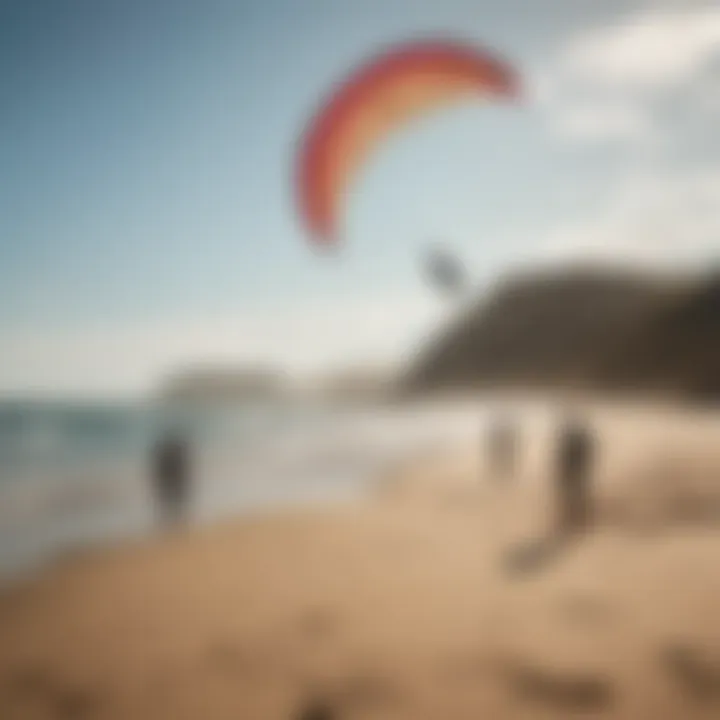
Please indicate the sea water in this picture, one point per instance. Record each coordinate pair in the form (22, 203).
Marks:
(73, 474)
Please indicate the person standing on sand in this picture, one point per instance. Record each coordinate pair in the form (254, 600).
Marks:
(502, 447)
(171, 477)
(574, 474)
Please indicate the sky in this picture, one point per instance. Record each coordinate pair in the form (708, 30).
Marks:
(147, 217)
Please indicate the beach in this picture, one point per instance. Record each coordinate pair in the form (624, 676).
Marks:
(402, 603)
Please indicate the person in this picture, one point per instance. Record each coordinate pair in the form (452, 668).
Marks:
(502, 443)
(574, 473)
(171, 476)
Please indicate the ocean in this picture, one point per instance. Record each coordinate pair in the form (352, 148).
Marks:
(75, 474)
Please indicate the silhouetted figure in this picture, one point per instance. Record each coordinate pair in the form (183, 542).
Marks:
(502, 447)
(574, 475)
(171, 477)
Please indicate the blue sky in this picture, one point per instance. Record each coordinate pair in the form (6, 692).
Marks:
(146, 150)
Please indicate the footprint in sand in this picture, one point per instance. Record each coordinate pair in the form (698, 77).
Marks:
(316, 709)
(585, 609)
(318, 623)
(366, 692)
(64, 700)
(228, 655)
(561, 691)
(30, 681)
(534, 556)
(466, 666)
(75, 703)
(697, 674)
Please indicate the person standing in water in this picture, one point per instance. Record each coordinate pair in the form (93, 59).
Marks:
(171, 477)
(574, 475)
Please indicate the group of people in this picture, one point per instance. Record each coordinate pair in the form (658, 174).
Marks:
(573, 465)
(574, 459)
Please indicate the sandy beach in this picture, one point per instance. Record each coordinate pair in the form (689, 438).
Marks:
(405, 605)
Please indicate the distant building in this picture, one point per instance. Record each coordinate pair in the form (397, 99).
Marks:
(224, 385)
(360, 385)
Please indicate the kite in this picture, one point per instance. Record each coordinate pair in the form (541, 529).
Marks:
(445, 271)
(391, 90)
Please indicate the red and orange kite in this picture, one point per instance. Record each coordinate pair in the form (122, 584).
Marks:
(387, 92)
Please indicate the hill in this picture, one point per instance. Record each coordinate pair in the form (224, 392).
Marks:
(586, 328)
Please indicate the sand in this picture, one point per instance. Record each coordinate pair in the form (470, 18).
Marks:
(408, 605)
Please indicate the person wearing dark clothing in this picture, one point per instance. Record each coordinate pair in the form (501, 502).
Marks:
(502, 447)
(171, 476)
(574, 474)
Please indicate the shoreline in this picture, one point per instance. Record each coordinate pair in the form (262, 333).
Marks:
(401, 605)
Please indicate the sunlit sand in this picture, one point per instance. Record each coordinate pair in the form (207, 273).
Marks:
(405, 605)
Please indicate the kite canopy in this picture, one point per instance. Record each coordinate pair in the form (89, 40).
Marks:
(384, 94)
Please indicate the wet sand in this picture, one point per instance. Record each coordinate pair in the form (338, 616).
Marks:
(409, 605)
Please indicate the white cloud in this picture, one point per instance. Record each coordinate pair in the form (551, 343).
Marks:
(605, 83)
(603, 121)
(650, 218)
(651, 50)
(132, 357)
